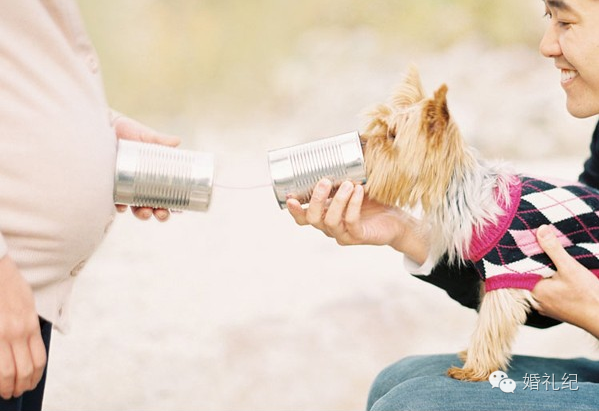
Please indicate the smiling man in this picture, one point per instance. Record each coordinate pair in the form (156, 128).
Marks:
(572, 41)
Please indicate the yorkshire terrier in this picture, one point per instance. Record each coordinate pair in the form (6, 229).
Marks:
(479, 211)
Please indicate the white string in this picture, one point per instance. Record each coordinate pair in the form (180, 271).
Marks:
(231, 187)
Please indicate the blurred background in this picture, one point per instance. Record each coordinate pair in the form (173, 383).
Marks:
(239, 308)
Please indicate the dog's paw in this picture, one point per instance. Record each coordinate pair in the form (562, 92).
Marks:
(468, 374)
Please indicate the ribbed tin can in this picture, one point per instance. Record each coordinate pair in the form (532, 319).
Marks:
(152, 175)
(296, 170)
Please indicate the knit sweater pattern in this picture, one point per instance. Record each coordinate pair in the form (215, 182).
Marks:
(507, 254)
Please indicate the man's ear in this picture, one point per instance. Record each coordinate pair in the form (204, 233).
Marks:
(435, 115)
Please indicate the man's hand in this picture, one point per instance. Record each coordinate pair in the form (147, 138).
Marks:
(22, 352)
(128, 129)
(351, 218)
(572, 294)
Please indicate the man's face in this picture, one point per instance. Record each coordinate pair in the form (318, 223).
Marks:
(572, 40)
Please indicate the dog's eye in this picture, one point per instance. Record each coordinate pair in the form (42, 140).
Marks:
(391, 134)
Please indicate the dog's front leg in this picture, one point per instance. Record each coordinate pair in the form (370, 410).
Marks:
(501, 313)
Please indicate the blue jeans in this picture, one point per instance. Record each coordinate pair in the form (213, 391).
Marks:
(420, 383)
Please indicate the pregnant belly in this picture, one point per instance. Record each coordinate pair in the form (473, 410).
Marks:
(57, 195)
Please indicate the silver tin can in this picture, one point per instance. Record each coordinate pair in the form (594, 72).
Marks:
(296, 170)
(152, 175)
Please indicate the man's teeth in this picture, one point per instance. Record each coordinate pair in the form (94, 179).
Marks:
(569, 74)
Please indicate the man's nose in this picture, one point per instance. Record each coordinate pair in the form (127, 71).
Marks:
(549, 46)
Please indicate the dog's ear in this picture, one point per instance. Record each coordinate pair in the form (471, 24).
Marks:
(380, 121)
(435, 115)
(410, 90)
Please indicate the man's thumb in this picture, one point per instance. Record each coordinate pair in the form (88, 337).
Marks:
(563, 261)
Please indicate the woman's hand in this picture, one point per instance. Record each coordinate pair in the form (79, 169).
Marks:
(129, 129)
(22, 351)
(572, 294)
(352, 218)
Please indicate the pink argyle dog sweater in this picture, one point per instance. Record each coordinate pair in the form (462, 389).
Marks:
(507, 255)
